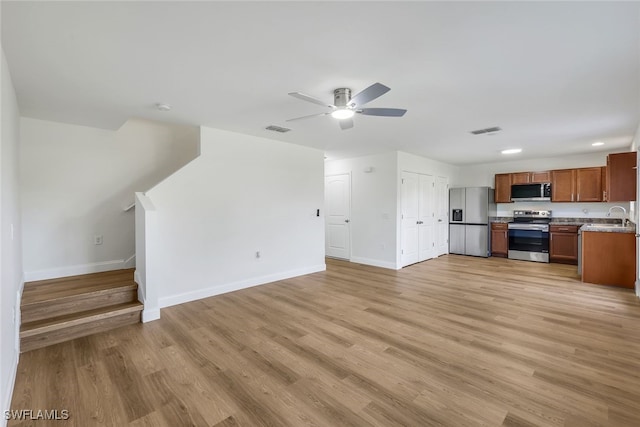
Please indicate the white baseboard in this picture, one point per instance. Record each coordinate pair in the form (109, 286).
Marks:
(138, 279)
(74, 270)
(18, 314)
(130, 262)
(242, 284)
(148, 313)
(8, 388)
(151, 314)
(375, 263)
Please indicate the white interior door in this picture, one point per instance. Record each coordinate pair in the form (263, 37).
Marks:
(442, 218)
(337, 192)
(409, 196)
(426, 218)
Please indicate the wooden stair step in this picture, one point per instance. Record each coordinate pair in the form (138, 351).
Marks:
(42, 333)
(86, 300)
(45, 290)
(67, 295)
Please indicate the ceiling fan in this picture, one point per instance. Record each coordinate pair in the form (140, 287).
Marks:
(344, 107)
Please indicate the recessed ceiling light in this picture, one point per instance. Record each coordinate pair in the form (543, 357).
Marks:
(596, 144)
(511, 151)
(342, 113)
(163, 107)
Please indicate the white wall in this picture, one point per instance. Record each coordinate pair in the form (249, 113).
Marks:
(635, 146)
(242, 195)
(75, 182)
(412, 163)
(146, 247)
(481, 175)
(10, 237)
(375, 202)
(373, 207)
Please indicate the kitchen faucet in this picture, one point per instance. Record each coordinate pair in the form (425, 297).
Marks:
(624, 214)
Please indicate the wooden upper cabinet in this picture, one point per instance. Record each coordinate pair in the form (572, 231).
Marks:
(589, 184)
(530, 177)
(540, 177)
(520, 178)
(503, 188)
(577, 185)
(621, 177)
(563, 185)
(604, 184)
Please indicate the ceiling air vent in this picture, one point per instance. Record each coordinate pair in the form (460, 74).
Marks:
(490, 130)
(275, 128)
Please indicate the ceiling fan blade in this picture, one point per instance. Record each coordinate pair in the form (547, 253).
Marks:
(311, 99)
(385, 112)
(346, 124)
(368, 94)
(307, 117)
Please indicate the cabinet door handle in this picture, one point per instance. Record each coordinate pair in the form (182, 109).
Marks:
(572, 197)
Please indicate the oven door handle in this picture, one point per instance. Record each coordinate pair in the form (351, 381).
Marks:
(544, 228)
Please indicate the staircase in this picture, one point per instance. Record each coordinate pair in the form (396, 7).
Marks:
(62, 309)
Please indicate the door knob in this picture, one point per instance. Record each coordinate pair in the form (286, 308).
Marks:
(346, 220)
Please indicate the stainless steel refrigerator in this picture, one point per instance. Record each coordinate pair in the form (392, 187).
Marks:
(469, 209)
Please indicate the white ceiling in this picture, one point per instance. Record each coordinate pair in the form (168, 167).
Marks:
(555, 76)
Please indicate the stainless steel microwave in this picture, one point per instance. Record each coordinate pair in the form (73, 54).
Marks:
(531, 192)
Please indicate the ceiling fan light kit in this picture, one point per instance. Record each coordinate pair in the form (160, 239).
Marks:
(344, 107)
(342, 113)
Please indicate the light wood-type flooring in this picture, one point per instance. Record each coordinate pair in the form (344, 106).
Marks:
(454, 341)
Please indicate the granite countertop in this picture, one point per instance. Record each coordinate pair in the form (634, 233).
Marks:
(503, 219)
(606, 225)
(609, 228)
(582, 221)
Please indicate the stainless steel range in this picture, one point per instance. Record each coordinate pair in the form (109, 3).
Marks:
(529, 236)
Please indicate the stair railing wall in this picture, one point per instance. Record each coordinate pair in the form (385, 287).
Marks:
(146, 236)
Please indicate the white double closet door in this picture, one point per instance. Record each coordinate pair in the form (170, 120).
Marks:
(418, 218)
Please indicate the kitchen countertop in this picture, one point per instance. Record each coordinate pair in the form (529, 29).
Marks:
(600, 223)
(609, 228)
(501, 219)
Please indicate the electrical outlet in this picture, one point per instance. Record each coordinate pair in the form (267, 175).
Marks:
(97, 239)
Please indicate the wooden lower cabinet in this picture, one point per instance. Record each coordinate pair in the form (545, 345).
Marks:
(563, 244)
(609, 258)
(499, 239)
